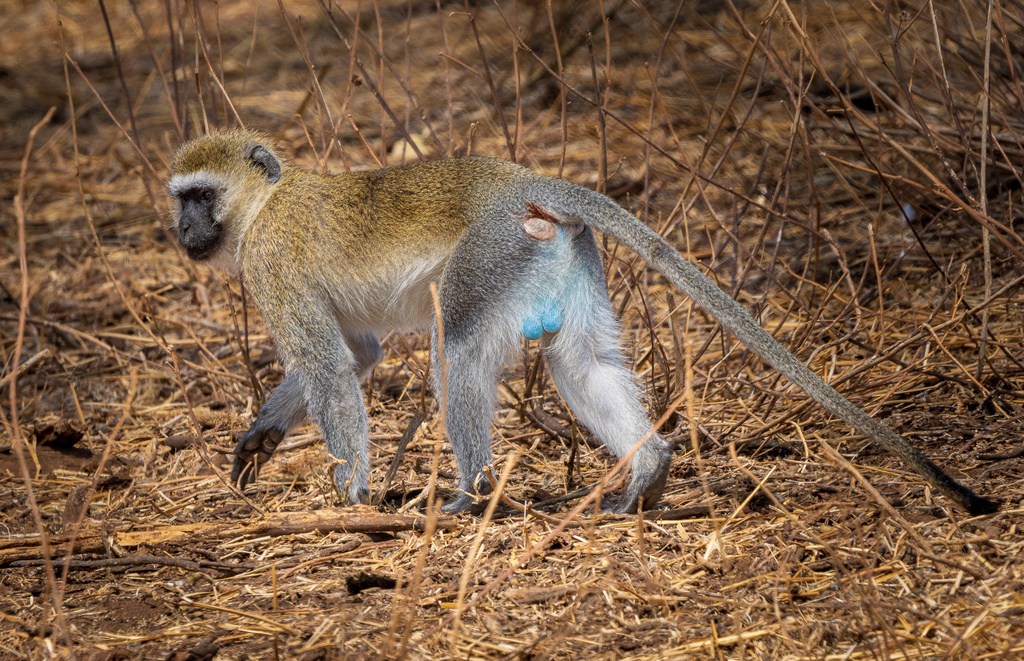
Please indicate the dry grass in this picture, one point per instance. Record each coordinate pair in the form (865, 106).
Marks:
(835, 166)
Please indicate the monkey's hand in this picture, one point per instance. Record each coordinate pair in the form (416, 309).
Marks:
(253, 451)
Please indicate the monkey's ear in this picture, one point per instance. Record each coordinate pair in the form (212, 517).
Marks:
(262, 158)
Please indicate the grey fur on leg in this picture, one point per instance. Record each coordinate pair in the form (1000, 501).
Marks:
(471, 394)
(480, 300)
(335, 400)
(587, 366)
(601, 393)
(367, 354)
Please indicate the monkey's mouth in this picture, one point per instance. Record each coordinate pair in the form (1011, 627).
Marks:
(199, 253)
(201, 243)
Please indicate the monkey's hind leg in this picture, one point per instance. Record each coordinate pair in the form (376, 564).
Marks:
(587, 366)
(473, 361)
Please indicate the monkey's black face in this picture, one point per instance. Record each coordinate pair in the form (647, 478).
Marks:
(199, 233)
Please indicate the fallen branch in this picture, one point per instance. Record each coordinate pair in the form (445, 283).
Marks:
(126, 561)
(275, 525)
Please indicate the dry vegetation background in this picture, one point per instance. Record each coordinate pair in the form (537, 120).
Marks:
(850, 171)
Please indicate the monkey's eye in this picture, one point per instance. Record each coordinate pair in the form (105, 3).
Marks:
(203, 195)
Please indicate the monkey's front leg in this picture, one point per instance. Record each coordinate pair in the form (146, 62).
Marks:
(335, 400)
(283, 412)
(286, 410)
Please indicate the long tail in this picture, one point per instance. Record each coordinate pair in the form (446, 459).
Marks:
(604, 215)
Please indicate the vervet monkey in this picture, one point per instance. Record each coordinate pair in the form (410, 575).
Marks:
(333, 261)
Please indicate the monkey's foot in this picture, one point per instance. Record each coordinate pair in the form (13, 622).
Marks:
(648, 492)
(356, 497)
(620, 504)
(469, 503)
(623, 504)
